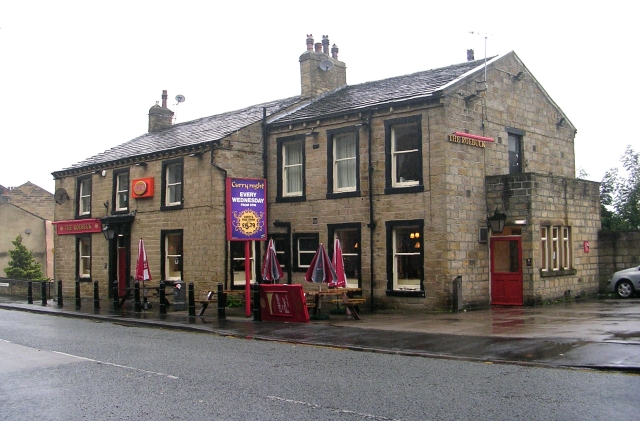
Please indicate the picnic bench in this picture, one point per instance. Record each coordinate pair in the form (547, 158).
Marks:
(340, 296)
(209, 297)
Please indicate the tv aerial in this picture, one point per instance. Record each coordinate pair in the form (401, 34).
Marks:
(180, 98)
(325, 65)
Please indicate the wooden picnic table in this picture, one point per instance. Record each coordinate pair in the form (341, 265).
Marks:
(343, 296)
(144, 290)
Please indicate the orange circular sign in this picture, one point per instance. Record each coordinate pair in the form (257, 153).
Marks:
(140, 188)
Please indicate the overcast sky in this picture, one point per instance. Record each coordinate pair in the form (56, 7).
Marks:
(78, 77)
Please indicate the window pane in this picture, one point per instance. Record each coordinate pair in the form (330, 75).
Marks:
(237, 262)
(407, 162)
(84, 269)
(292, 171)
(515, 154)
(173, 259)
(122, 190)
(174, 184)
(407, 258)
(350, 252)
(544, 248)
(307, 247)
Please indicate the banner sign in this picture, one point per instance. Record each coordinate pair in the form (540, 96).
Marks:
(78, 226)
(246, 209)
(283, 303)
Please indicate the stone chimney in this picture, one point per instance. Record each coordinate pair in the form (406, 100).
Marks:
(160, 117)
(470, 55)
(319, 72)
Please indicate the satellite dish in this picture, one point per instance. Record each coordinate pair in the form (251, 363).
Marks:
(326, 65)
(60, 196)
(180, 98)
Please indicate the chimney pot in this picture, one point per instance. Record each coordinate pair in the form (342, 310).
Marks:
(334, 52)
(325, 44)
(470, 55)
(318, 47)
(310, 42)
(164, 98)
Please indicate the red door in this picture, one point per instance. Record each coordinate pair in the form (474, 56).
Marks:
(122, 270)
(506, 271)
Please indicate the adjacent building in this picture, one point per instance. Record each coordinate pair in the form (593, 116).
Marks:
(405, 172)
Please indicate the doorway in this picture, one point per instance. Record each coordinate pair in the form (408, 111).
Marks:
(506, 271)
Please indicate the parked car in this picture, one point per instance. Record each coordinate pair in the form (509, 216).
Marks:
(625, 282)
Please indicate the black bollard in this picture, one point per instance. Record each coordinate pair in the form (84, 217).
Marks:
(30, 292)
(192, 301)
(43, 292)
(256, 303)
(96, 296)
(116, 304)
(222, 302)
(136, 297)
(163, 300)
(78, 301)
(60, 293)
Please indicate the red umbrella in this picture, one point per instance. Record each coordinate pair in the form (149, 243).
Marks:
(142, 265)
(321, 270)
(271, 270)
(338, 264)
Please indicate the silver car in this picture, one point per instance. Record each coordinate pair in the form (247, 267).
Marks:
(625, 282)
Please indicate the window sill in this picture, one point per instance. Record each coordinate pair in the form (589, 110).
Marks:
(340, 195)
(83, 279)
(290, 199)
(86, 216)
(405, 293)
(552, 273)
(402, 190)
(170, 208)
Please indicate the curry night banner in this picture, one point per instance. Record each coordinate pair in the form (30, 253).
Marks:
(246, 209)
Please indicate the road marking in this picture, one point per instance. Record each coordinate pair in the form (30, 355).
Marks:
(117, 365)
(336, 410)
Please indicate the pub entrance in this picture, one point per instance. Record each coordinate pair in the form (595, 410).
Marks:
(119, 251)
(506, 270)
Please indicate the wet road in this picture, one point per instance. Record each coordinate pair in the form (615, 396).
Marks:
(57, 368)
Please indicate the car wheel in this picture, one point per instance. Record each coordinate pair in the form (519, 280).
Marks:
(624, 289)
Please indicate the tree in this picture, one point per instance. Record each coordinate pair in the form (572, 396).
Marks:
(620, 194)
(22, 264)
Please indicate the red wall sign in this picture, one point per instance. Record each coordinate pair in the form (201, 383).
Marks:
(283, 303)
(141, 188)
(78, 226)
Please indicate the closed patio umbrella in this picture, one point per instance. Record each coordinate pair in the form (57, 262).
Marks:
(338, 264)
(142, 264)
(271, 270)
(321, 270)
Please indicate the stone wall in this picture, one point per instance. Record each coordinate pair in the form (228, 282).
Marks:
(617, 251)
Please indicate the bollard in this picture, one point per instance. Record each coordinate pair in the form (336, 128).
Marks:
(256, 303)
(114, 287)
(457, 293)
(78, 301)
(222, 302)
(136, 297)
(60, 293)
(30, 292)
(43, 292)
(192, 301)
(96, 296)
(163, 300)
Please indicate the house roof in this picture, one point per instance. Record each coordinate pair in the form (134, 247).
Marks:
(185, 135)
(31, 198)
(353, 98)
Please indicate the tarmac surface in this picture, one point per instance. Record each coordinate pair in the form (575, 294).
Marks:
(598, 333)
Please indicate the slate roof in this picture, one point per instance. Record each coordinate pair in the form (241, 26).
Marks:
(185, 135)
(353, 98)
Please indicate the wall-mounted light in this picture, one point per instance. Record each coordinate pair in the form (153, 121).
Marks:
(196, 154)
(496, 221)
(108, 232)
(560, 122)
(140, 164)
(519, 76)
(520, 222)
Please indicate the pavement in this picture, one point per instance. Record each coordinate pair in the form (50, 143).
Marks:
(593, 333)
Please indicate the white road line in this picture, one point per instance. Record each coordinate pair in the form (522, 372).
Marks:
(117, 365)
(336, 410)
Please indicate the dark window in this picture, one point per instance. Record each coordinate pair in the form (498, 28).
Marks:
(172, 257)
(120, 196)
(283, 251)
(403, 150)
(343, 163)
(304, 248)
(351, 243)
(291, 169)
(83, 194)
(405, 258)
(172, 182)
(515, 154)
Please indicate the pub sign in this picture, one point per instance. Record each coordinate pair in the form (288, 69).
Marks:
(246, 209)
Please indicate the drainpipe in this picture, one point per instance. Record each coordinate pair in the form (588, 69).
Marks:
(265, 163)
(224, 194)
(372, 223)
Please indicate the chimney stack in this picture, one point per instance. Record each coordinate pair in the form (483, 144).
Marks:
(319, 72)
(160, 118)
(470, 55)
